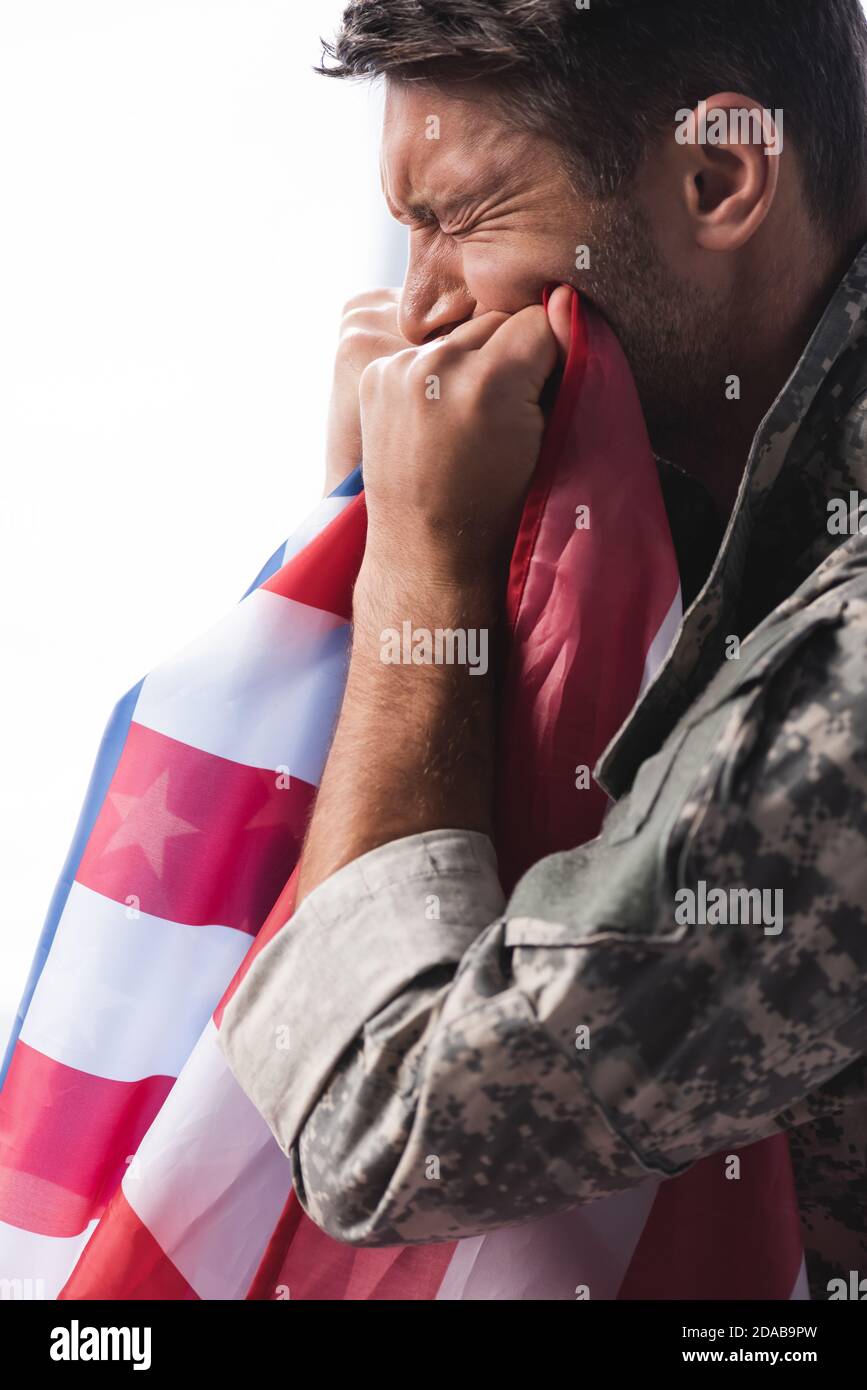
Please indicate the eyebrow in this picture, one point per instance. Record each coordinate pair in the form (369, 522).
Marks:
(426, 212)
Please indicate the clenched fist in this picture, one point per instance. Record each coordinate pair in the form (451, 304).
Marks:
(451, 433)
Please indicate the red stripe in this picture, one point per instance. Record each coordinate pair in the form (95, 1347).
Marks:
(313, 578)
(194, 837)
(304, 1264)
(123, 1261)
(65, 1137)
(713, 1237)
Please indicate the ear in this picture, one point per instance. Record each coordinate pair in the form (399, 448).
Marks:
(728, 153)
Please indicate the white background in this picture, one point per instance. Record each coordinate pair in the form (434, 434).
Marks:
(185, 208)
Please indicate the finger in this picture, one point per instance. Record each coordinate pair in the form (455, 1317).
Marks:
(524, 346)
(472, 335)
(368, 298)
(560, 319)
(382, 317)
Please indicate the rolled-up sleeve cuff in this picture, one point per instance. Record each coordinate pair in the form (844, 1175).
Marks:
(359, 939)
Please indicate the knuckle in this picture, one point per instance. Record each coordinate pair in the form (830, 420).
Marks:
(353, 321)
(440, 354)
(359, 345)
(488, 380)
(382, 371)
(357, 301)
(424, 365)
(368, 299)
(420, 363)
(370, 378)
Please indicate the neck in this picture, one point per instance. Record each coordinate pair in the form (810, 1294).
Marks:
(716, 440)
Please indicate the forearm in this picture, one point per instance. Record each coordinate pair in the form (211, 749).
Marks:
(413, 748)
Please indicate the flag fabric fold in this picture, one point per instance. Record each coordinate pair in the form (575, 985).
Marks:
(132, 1166)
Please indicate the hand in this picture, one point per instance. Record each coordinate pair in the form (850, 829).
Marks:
(451, 434)
(444, 480)
(368, 330)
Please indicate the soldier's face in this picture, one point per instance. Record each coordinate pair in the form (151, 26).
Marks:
(491, 214)
(494, 216)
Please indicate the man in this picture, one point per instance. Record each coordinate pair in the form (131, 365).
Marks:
(734, 272)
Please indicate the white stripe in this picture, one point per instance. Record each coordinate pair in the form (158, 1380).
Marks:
(548, 1260)
(209, 1180)
(261, 688)
(38, 1266)
(322, 516)
(661, 644)
(124, 999)
(801, 1292)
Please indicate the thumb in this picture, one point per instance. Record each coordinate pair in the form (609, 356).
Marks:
(560, 319)
(524, 348)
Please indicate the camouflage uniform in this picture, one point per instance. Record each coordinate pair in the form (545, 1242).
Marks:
(454, 1039)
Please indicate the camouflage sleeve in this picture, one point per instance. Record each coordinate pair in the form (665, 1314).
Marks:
(693, 980)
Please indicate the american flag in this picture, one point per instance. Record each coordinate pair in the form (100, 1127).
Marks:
(132, 1166)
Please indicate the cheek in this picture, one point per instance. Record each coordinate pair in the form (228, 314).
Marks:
(509, 277)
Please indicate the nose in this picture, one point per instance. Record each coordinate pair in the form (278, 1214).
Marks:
(434, 299)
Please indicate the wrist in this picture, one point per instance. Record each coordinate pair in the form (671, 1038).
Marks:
(427, 617)
(425, 558)
(419, 585)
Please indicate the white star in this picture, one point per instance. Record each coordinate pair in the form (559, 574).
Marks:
(147, 822)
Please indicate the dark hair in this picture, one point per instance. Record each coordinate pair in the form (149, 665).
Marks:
(604, 80)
